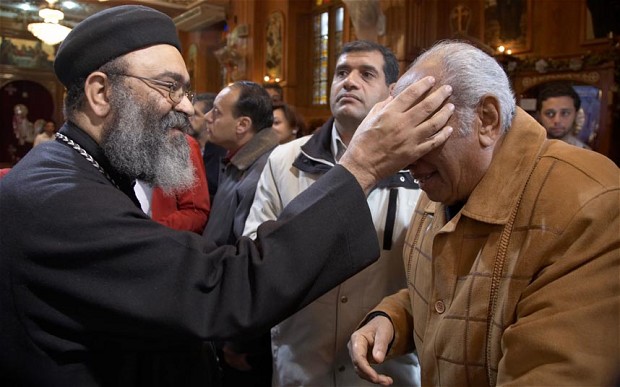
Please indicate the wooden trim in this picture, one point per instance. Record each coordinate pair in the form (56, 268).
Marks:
(586, 28)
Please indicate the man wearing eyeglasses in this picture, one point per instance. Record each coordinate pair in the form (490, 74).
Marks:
(557, 105)
(103, 295)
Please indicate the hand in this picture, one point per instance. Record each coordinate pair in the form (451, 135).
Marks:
(369, 344)
(398, 131)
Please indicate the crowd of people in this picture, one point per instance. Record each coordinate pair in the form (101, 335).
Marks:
(430, 232)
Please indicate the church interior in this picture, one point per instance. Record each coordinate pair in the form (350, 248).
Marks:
(294, 44)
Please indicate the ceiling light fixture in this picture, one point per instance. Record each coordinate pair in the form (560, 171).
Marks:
(50, 31)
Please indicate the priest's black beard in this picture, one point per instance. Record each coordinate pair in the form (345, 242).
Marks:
(138, 143)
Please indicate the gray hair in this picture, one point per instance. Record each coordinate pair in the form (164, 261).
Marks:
(472, 74)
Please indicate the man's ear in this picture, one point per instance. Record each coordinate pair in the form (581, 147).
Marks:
(490, 119)
(244, 124)
(97, 90)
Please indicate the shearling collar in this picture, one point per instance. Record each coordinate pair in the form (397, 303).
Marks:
(260, 143)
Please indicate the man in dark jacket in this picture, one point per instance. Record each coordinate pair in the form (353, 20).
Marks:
(240, 121)
(93, 292)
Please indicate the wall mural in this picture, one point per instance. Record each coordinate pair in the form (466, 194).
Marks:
(232, 57)
(275, 47)
(24, 53)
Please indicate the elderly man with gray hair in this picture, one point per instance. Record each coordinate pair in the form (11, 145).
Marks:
(512, 258)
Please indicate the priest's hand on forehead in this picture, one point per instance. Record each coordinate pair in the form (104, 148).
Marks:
(398, 131)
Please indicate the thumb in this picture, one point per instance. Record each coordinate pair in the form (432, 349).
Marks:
(380, 348)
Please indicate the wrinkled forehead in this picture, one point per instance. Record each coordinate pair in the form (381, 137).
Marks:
(361, 59)
(156, 60)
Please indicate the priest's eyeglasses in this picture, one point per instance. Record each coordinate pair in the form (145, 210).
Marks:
(176, 91)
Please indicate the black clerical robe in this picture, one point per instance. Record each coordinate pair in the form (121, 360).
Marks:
(93, 292)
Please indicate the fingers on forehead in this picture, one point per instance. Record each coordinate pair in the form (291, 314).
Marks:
(413, 93)
(411, 83)
(435, 99)
(429, 102)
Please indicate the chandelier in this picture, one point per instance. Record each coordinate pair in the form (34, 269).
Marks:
(50, 31)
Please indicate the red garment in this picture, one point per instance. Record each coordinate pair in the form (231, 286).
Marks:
(189, 210)
(4, 171)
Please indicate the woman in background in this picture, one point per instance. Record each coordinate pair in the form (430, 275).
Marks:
(287, 123)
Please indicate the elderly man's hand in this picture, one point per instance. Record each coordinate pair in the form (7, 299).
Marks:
(369, 344)
(398, 131)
